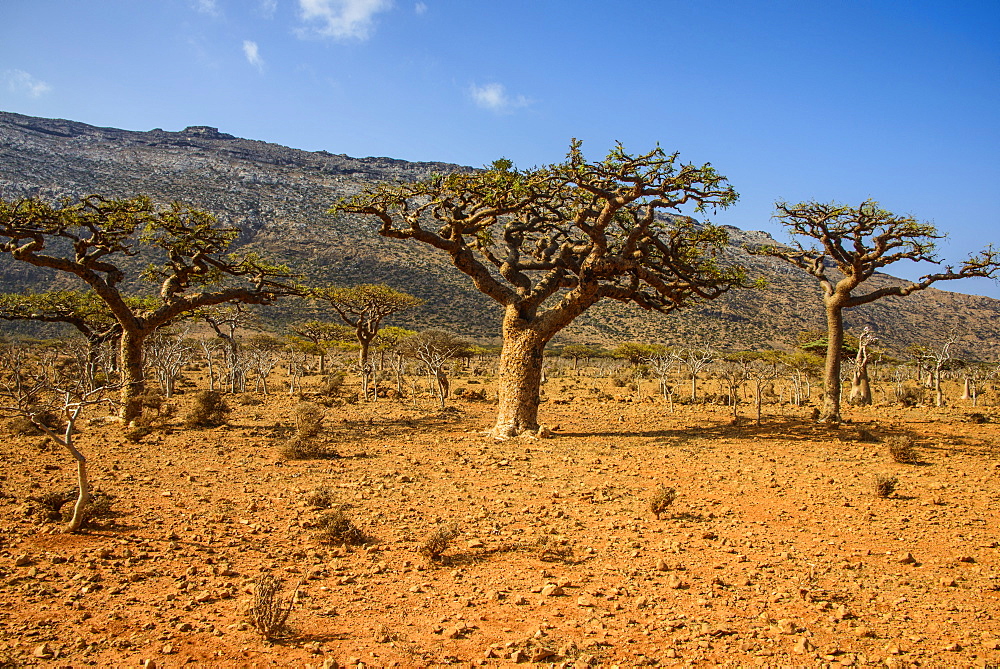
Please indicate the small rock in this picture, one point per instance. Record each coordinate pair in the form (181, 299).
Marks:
(864, 632)
(167, 649)
(948, 582)
(785, 626)
(952, 648)
(329, 663)
(966, 558)
(541, 654)
(675, 582)
(22, 560)
(585, 600)
(475, 543)
(518, 656)
(148, 664)
(43, 651)
(661, 565)
(803, 646)
(906, 558)
(552, 590)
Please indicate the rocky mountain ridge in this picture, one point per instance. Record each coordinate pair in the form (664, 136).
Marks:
(278, 196)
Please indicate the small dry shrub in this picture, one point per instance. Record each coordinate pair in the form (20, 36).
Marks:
(296, 449)
(336, 527)
(209, 410)
(437, 542)
(885, 486)
(909, 396)
(321, 498)
(308, 420)
(21, 426)
(549, 549)
(662, 498)
(248, 400)
(333, 383)
(269, 611)
(156, 413)
(58, 506)
(901, 449)
(99, 508)
(48, 505)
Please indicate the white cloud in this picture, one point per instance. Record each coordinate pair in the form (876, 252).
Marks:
(420, 8)
(207, 7)
(494, 96)
(267, 8)
(19, 81)
(252, 52)
(341, 19)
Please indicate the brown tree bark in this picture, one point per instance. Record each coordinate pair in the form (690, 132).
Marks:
(831, 372)
(132, 378)
(520, 376)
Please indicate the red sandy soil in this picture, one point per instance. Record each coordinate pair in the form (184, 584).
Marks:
(775, 552)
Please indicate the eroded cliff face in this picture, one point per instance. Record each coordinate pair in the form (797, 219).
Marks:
(278, 197)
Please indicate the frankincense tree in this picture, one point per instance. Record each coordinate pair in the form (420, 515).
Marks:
(188, 256)
(844, 248)
(548, 243)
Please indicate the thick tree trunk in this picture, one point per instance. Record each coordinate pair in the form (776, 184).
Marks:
(363, 366)
(519, 380)
(133, 382)
(861, 392)
(831, 374)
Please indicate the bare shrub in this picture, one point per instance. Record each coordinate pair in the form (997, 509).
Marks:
(549, 549)
(901, 449)
(662, 498)
(269, 611)
(909, 396)
(333, 383)
(48, 505)
(885, 486)
(297, 449)
(321, 498)
(156, 413)
(99, 508)
(336, 527)
(209, 410)
(437, 542)
(308, 420)
(52, 506)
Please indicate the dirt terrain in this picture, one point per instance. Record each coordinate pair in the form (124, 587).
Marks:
(775, 552)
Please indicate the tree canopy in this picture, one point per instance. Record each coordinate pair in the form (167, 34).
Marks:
(576, 232)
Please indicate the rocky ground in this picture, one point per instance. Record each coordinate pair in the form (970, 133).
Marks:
(775, 552)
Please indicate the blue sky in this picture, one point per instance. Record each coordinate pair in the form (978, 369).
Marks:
(796, 99)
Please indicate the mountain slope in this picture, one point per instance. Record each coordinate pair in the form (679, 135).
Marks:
(278, 197)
